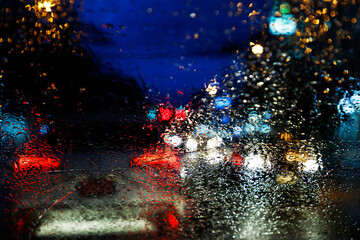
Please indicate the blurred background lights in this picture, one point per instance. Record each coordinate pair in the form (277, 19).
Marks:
(249, 128)
(183, 173)
(265, 128)
(254, 161)
(46, 5)
(346, 106)
(253, 117)
(73, 227)
(32, 164)
(266, 115)
(311, 166)
(286, 178)
(174, 140)
(225, 119)
(214, 143)
(257, 49)
(165, 114)
(212, 89)
(285, 25)
(263, 84)
(191, 145)
(284, 8)
(13, 130)
(222, 102)
(151, 115)
(43, 7)
(355, 100)
(237, 130)
(215, 157)
(204, 130)
(44, 129)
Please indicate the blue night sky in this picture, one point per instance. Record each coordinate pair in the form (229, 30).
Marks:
(171, 45)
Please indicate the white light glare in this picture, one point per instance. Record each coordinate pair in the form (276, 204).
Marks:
(214, 143)
(68, 228)
(183, 173)
(257, 49)
(311, 166)
(215, 157)
(254, 161)
(346, 106)
(46, 5)
(174, 141)
(191, 145)
(355, 99)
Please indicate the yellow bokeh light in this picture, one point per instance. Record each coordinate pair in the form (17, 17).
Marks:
(285, 136)
(211, 89)
(287, 178)
(293, 156)
(257, 49)
(45, 6)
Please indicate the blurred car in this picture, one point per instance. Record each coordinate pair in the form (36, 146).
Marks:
(75, 203)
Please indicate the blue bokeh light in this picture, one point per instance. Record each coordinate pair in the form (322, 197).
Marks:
(349, 105)
(285, 25)
(151, 115)
(44, 129)
(237, 131)
(222, 102)
(203, 129)
(225, 119)
(14, 131)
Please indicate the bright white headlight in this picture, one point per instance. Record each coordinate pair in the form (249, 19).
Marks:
(214, 143)
(311, 166)
(215, 157)
(254, 161)
(174, 140)
(191, 145)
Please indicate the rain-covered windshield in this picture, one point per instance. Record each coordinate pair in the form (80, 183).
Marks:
(194, 119)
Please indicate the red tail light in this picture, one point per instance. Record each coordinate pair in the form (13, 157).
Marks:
(161, 158)
(30, 164)
(237, 159)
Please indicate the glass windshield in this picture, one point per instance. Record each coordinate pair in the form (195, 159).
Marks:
(179, 119)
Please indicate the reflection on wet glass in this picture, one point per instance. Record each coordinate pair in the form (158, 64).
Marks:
(179, 119)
